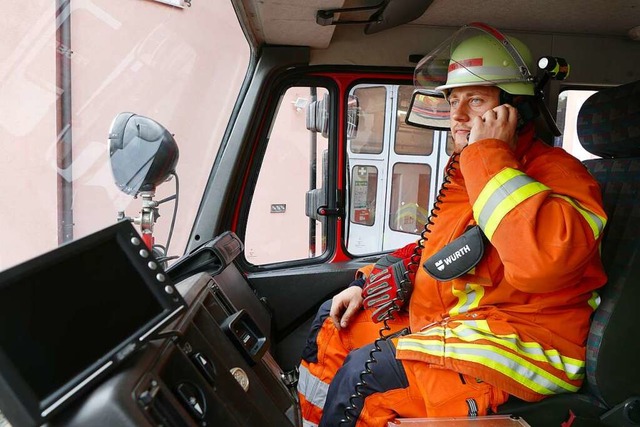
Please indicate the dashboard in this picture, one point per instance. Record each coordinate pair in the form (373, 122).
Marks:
(211, 366)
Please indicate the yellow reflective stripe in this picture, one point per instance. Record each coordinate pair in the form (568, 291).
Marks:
(595, 300)
(468, 298)
(434, 348)
(595, 221)
(501, 194)
(509, 364)
(509, 203)
(509, 355)
(574, 368)
(491, 187)
(512, 365)
(481, 324)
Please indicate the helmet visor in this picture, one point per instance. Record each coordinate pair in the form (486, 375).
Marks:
(476, 54)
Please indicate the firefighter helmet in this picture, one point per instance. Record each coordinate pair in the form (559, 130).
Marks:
(477, 54)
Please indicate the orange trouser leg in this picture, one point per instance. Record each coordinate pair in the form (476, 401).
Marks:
(325, 353)
(373, 388)
(451, 394)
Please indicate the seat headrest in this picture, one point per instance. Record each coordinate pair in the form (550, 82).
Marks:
(609, 122)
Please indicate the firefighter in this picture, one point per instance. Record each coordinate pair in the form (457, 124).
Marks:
(496, 297)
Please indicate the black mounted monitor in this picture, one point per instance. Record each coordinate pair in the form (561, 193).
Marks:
(72, 315)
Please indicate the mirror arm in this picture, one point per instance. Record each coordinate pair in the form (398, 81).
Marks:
(325, 17)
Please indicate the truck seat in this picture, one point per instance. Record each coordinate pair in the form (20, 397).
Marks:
(608, 126)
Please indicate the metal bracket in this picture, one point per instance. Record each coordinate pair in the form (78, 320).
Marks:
(290, 378)
(326, 17)
(326, 211)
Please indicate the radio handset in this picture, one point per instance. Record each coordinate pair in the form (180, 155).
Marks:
(526, 110)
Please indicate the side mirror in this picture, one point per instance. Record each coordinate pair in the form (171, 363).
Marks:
(318, 116)
(318, 196)
(428, 109)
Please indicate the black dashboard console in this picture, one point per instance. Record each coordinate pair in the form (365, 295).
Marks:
(194, 377)
(157, 351)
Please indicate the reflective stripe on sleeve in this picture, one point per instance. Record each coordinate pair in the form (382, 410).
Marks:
(594, 301)
(595, 221)
(500, 195)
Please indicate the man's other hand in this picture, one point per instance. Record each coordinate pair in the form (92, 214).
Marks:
(345, 305)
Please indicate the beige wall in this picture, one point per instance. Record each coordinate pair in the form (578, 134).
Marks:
(156, 60)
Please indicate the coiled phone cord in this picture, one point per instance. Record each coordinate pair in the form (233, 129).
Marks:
(414, 263)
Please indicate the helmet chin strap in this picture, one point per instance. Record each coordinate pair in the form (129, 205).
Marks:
(546, 115)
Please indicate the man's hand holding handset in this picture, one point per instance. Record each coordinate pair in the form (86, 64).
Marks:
(498, 123)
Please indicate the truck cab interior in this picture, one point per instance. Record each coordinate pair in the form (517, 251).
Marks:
(238, 298)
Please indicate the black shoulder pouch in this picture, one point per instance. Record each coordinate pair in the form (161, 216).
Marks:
(458, 257)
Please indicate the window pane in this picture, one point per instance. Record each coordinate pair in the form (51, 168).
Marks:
(364, 186)
(410, 139)
(124, 56)
(569, 103)
(409, 197)
(278, 228)
(368, 139)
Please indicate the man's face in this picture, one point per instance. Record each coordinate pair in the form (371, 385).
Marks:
(466, 103)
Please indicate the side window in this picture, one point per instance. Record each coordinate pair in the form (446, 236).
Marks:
(371, 120)
(410, 182)
(394, 171)
(408, 209)
(364, 187)
(569, 103)
(292, 170)
(410, 140)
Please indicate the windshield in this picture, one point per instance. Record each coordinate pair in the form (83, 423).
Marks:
(68, 69)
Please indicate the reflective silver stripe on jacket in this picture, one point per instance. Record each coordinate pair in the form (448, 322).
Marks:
(314, 390)
(506, 190)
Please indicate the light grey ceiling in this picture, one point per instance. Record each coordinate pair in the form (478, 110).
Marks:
(293, 22)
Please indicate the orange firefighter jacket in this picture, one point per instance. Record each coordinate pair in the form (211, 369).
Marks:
(520, 318)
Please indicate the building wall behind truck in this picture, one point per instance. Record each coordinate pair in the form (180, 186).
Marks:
(140, 56)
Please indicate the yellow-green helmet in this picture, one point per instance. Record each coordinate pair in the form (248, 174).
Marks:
(478, 54)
